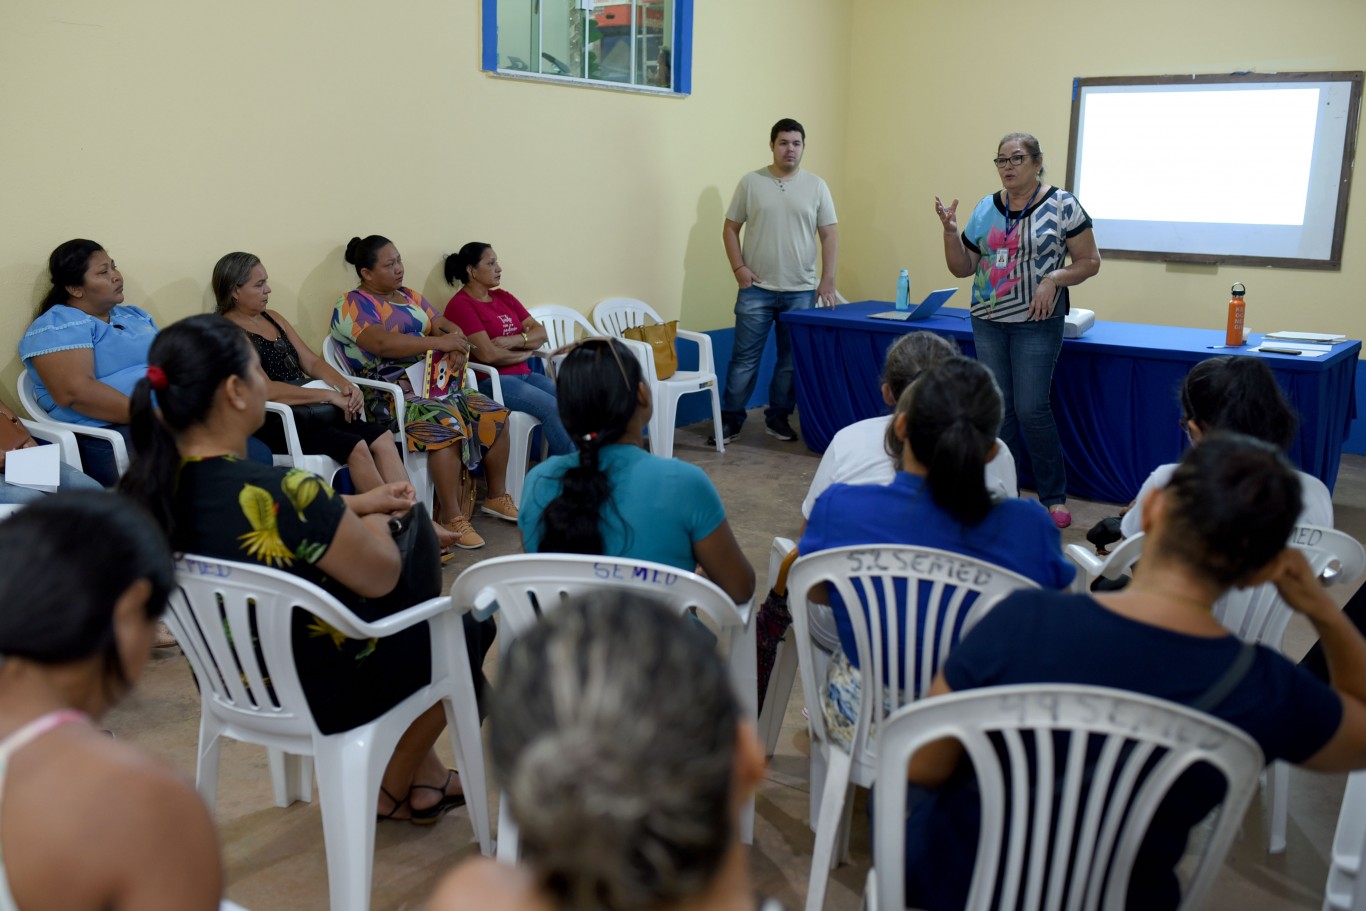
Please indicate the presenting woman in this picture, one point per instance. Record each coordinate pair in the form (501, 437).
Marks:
(90, 823)
(614, 498)
(503, 334)
(385, 328)
(87, 348)
(189, 472)
(1015, 245)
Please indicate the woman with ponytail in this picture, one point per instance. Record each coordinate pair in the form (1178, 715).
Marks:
(942, 436)
(1237, 395)
(189, 471)
(614, 498)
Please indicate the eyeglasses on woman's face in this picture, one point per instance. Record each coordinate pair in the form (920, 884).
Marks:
(1017, 159)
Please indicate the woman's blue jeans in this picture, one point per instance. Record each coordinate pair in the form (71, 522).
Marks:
(1021, 357)
(534, 393)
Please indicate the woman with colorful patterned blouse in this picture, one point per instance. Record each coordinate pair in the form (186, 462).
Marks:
(1016, 244)
(190, 473)
(384, 329)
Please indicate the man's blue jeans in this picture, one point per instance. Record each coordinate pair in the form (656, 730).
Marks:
(534, 393)
(756, 309)
(1021, 357)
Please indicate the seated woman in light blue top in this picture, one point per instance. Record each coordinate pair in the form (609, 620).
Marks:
(87, 349)
(614, 498)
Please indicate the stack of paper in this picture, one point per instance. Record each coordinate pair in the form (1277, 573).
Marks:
(38, 467)
(1319, 338)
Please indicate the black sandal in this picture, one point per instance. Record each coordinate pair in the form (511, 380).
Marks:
(429, 815)
(398, 805)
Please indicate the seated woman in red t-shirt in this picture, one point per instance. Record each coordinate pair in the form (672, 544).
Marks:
(502, 334)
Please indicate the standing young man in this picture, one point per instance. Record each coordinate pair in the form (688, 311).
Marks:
(784, 209)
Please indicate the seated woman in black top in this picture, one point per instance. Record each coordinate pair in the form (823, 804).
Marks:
(328, 419)
(189, 472)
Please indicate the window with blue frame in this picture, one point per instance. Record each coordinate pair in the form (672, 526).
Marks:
(631, 44)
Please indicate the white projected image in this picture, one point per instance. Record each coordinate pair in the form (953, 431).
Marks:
(1231, 156)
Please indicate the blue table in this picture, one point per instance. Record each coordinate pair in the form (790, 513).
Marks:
(1114, 391)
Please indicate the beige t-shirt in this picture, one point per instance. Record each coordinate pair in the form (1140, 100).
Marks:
(780, 219)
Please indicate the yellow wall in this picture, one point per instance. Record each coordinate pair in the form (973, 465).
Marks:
(174, 132)
(933, 87)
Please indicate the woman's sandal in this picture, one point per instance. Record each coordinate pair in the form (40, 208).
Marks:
(429, 815)
(398, 805)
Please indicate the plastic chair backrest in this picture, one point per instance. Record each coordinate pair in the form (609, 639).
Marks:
(1075, 825)
(615, 315)
(561, 324)
(523, 586)
(935, 597)
(332, 353)
(1258, 614)
(234, 627)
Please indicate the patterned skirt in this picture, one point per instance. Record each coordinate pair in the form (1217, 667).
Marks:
(841, 699)
(467, 418)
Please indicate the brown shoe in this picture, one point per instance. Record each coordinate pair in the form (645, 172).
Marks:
(466, 537)
(501, 507)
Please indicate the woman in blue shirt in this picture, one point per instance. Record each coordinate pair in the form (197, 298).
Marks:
(87, 348)
(943, 435)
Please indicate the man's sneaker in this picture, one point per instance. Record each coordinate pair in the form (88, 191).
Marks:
(730, 430)
(778, 428)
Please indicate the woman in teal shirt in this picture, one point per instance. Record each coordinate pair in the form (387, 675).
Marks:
(614, 498)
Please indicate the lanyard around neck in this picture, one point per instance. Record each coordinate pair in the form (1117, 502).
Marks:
(1011, 226)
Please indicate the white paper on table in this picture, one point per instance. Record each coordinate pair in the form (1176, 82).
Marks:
(1300, 349)
(38, 467)
(1321, 337)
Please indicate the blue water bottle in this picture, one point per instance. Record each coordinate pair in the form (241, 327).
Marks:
(903, 291)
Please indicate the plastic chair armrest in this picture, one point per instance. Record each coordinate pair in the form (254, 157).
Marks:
(492, 374)
(115, 440)
(705, 361)
(354, 627)
(293, 447)
(65, 439)
(1088, 566)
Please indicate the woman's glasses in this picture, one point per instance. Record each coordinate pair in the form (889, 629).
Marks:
(1017, 159)
(596, 341)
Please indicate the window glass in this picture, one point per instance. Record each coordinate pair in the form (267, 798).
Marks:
(621, 42)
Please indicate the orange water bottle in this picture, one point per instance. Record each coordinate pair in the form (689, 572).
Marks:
(1233, 336)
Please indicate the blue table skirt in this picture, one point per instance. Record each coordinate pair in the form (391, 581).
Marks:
(1114, 391)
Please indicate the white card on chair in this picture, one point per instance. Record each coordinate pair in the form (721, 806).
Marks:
(38, 467)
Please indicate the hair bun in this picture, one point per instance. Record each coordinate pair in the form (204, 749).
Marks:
(351, 247)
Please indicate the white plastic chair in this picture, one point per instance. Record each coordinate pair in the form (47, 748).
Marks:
(960, 592)
(617, 314)
(415, 463)
(294, 456)
(1091, 567)
(1346, 888)
(1103, 808)
(562, 326)
(1259, 615)
(29, 402)
(222, 610)
(521, 587)
(520, 427)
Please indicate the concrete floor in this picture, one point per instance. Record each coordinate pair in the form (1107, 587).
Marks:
(274, 857)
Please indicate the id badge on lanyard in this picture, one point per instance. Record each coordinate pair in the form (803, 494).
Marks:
(1002, 258)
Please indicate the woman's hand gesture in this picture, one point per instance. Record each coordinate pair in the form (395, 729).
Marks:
(1298, 586)
(948, 215)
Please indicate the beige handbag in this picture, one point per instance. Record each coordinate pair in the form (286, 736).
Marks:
(660, 337)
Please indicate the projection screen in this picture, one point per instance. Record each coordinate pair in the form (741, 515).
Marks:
(1250, 168)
